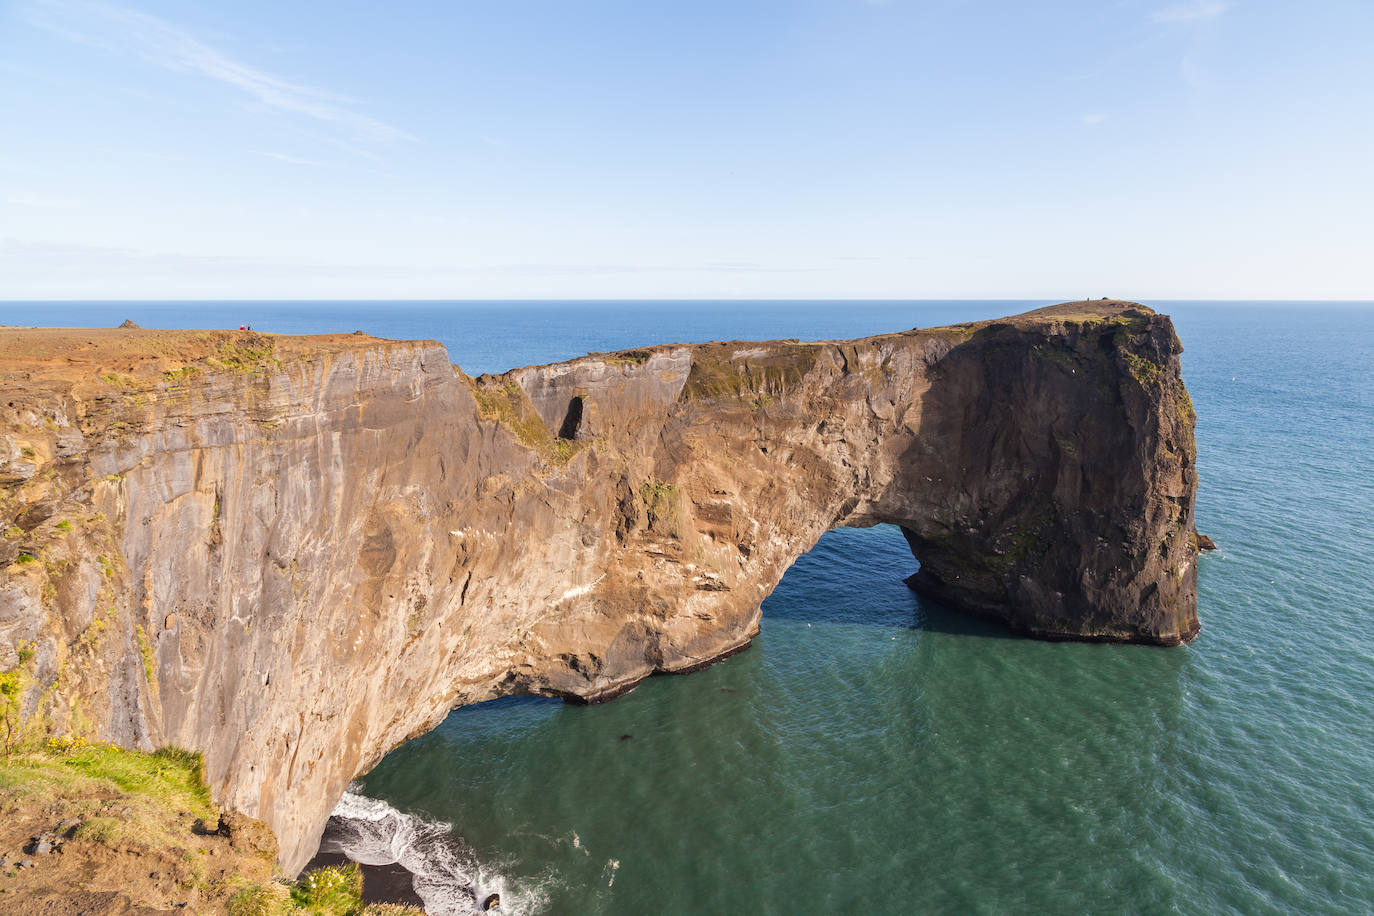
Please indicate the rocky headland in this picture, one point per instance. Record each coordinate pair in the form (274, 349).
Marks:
(291, 554)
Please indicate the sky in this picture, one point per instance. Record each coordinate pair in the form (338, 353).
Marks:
(1141, 149)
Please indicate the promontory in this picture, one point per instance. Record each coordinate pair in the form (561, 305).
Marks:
(291, 554)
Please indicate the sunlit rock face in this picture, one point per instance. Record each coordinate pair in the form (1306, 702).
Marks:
(292, 554)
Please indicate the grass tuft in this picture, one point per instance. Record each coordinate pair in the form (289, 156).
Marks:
(145, 649)
(336, 890)
(1144, 370)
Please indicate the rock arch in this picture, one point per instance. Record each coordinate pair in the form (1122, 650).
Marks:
(318, 560)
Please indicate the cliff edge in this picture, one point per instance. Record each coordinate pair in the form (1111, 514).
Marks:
(294, 553)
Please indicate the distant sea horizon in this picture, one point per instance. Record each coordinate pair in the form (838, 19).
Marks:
(874, 752)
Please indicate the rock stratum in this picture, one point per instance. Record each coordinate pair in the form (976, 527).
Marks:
(294, 553)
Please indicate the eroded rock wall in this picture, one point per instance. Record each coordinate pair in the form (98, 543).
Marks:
(294, 553)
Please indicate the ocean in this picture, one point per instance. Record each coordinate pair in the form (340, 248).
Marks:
(876, 753)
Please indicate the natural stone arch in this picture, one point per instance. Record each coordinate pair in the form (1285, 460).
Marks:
(1040, 468)
(315, 560)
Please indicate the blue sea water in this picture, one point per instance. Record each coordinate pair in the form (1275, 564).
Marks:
(876, 753)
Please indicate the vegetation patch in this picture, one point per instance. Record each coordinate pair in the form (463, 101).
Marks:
(12, 685)
(627, 358)
(246, 355)
(334, 889)
(180, 376)
(662, 502)
(716, 374)
(508, 405)
(1145, 371)
(145, 648)
(155, 810)
(118, 379)
(72, 776)
(1062, 358)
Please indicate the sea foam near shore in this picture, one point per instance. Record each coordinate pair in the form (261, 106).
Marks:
(446, 873)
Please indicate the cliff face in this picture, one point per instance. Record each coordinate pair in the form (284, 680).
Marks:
(294, 553)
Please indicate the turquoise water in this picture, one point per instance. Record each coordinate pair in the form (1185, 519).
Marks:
(875, 753)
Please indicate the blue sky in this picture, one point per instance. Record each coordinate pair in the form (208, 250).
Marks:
(568, 149)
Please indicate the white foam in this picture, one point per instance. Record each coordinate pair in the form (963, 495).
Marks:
(447, 876)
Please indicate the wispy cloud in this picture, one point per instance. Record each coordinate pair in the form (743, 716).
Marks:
(1093, 119)
(42, 201)
(294, 160)
(1192, 11)
(94, 258)
(166, 45)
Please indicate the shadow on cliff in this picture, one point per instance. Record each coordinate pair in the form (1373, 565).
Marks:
(978, 485)
(857, 576)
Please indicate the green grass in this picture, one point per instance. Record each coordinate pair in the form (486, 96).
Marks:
(179, 376)
(170, 776)
(132, 801)
(256, 900)
(244, 356)
(716, 374)
(25, 559)
(508, 405)
(72, 779)
(145, 649)
(1144, 370)
(337, 889)
(12, 684)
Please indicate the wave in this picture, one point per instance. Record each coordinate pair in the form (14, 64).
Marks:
(446, 873)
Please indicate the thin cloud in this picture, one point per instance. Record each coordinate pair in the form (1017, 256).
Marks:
(294, 160)
(42, 201)
(1194, 11)
(164, 44)
(1094, 119)
(92, 260)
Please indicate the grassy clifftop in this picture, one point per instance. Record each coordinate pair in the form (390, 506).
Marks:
(110, 830)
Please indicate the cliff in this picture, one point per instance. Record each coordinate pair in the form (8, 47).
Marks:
(294, 553)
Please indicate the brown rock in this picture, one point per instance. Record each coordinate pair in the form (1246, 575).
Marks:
(381, 538)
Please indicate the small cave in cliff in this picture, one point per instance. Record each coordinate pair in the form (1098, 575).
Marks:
(572, 422)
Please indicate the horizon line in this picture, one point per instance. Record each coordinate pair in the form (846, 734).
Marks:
(667, 299)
